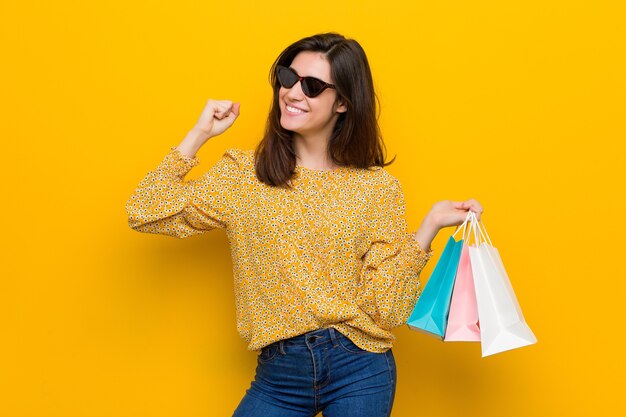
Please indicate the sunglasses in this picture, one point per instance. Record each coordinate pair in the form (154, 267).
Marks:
(311, 86)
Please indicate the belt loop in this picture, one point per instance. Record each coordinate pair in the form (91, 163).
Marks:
(281, 346)
(333, 336)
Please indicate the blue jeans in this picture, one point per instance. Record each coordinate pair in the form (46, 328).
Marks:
(321, 370)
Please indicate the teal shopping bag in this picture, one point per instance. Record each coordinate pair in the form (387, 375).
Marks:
(430, 314)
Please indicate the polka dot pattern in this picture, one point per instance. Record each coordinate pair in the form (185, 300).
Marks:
(334, 251)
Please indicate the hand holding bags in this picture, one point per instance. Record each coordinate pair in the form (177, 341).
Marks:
(502, 325)
(471, 295)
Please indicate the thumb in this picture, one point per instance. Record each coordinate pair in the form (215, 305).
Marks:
(235, 109)
(233, 112)
(459, 205)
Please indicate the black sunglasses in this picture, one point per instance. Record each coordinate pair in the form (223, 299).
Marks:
(311, 86)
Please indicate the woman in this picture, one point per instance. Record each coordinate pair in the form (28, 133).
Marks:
(324, 266)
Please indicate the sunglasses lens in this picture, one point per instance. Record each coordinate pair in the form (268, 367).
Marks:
(286, 77)
(312, 87)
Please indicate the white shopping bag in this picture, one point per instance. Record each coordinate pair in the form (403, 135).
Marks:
(502, 324)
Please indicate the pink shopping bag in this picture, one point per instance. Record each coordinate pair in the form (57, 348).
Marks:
(463, 324)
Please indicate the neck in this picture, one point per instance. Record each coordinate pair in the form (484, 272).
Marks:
(312, 151)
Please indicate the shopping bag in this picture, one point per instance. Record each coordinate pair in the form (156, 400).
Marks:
(502, 324)
(430, 313)
(463, 323)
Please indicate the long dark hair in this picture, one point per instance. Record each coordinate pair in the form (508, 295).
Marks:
(355, 140)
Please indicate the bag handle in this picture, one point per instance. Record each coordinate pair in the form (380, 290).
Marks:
(463, 225)
(469, 229)
(472, 227)
(477, 224)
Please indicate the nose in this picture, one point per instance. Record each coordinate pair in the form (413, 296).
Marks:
(295, 92)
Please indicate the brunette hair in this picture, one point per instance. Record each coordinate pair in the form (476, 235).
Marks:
(355, 140)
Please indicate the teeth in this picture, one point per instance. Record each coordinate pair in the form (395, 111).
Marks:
(294, 110)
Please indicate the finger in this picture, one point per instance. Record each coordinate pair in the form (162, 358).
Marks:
(226, 105)
(476, 212)
(222, 113)
(222, 107)
(459, 205)
(228, 118)
(234, 111)
(473, 205)
(217, 110)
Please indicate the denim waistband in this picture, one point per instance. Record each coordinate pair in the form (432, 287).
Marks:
(311, 338)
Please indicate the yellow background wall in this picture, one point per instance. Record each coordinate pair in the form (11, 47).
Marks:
(519, 104)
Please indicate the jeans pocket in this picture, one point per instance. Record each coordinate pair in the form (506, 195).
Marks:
(348, 345)
(268, 353)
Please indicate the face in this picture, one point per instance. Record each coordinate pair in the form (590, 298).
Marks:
(311, 116)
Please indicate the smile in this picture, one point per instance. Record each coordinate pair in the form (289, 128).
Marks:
(293, 110)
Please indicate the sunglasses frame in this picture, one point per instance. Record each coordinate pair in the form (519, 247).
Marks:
(325, 85)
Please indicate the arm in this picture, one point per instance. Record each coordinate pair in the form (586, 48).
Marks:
(389, 278)
(164, 203)
(426, 233)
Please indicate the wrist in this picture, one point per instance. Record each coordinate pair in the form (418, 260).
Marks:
(426, 233)
(198, 135)
(430, 224)
(193, 142)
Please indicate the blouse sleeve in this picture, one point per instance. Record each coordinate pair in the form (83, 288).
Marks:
(389, 284)
(163, 203)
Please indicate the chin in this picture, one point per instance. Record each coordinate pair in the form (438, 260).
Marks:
(293, 127)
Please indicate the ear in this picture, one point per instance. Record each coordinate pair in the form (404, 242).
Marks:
(341, 106)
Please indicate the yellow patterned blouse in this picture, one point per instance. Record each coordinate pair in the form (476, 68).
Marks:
(332, 252)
